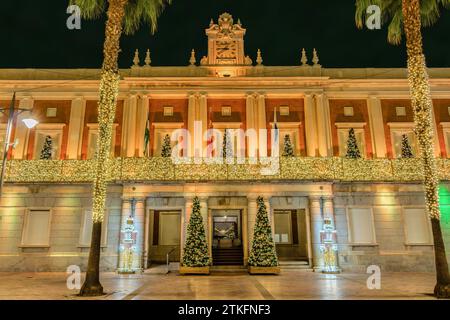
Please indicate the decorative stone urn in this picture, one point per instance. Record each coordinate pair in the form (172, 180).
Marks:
(194, 270)
(264, 270)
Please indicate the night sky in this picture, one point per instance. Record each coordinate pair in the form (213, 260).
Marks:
(34, 35)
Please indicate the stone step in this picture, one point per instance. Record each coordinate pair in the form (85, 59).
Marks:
(294, 263)
(236, 269)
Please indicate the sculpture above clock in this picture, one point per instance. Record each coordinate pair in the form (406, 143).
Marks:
(225, 42)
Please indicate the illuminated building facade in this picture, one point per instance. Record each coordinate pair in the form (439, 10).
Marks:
(373, 207)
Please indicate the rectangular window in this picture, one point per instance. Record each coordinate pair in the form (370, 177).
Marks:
(400, 111)
(349, 111)
(293, 137)
(361, 228)
(86, 229)
(53, 144)
(284, 111)
(93, 140)
(397, 137)
(343, 141)
(168, 111)
(36, 231)
(417, 227)
(226, 111)
(92, 144)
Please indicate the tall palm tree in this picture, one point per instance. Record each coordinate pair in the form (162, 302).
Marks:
(406, 17)
(122, 15)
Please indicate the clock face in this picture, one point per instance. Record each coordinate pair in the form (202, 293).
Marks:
(226, 50)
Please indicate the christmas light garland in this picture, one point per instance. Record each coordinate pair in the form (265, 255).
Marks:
(162, 169)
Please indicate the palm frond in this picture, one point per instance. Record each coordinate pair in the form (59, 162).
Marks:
(395, 28)
(429, 11)
(143, 11)
(90, 9)
(391, 15)
(361, 11)
(445, 3)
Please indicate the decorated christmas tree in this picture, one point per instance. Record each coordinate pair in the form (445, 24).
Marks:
(166, 148)
(46, 152)
(288, 150)
(352, 146)
(196, 252)
(227, 149)
(406, 147)
(263, 252)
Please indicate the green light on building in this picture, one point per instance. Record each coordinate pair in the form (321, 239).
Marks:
(444, 196)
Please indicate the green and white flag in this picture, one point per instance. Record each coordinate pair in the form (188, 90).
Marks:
(147, 137)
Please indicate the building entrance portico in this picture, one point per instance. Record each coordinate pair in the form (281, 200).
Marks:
(227, 248)
(229, 218)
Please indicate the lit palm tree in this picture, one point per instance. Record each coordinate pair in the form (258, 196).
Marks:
(122, 15)
(407, 17)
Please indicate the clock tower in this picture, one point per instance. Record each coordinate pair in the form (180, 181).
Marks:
(225, 43)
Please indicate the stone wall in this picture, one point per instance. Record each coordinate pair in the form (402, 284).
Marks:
(390, 252)
(67, 204)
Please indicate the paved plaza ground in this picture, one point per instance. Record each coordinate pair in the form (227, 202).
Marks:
(290, 285)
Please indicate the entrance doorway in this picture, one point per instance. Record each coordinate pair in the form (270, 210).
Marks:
(227, 249)
(291, 237)
(164, 236)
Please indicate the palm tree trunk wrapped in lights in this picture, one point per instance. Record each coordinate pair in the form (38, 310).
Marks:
(422, 105)
(407, 17)
(121, 15)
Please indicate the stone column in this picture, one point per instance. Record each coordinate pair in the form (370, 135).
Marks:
(251, 217)
(129, 127)
(76, 126)
(203, 118)
(262, 125)
(310, 126)
(377, 127)
(21, 134)
(205, 215)
(252, 140)
(192, 116)
(186, 214)
(325, 144)
(316, 226)
(437, 145)
(139, 220)
(245, 235)
(142, 116)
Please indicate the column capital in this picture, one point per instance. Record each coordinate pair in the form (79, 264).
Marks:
(143, 96)
(261, 95)
(203, 198)
(189, 197)
(78, 98)
(194, 95)
(251, 95)
(320, 95)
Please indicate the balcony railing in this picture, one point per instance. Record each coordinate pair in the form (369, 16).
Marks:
(163, 169)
